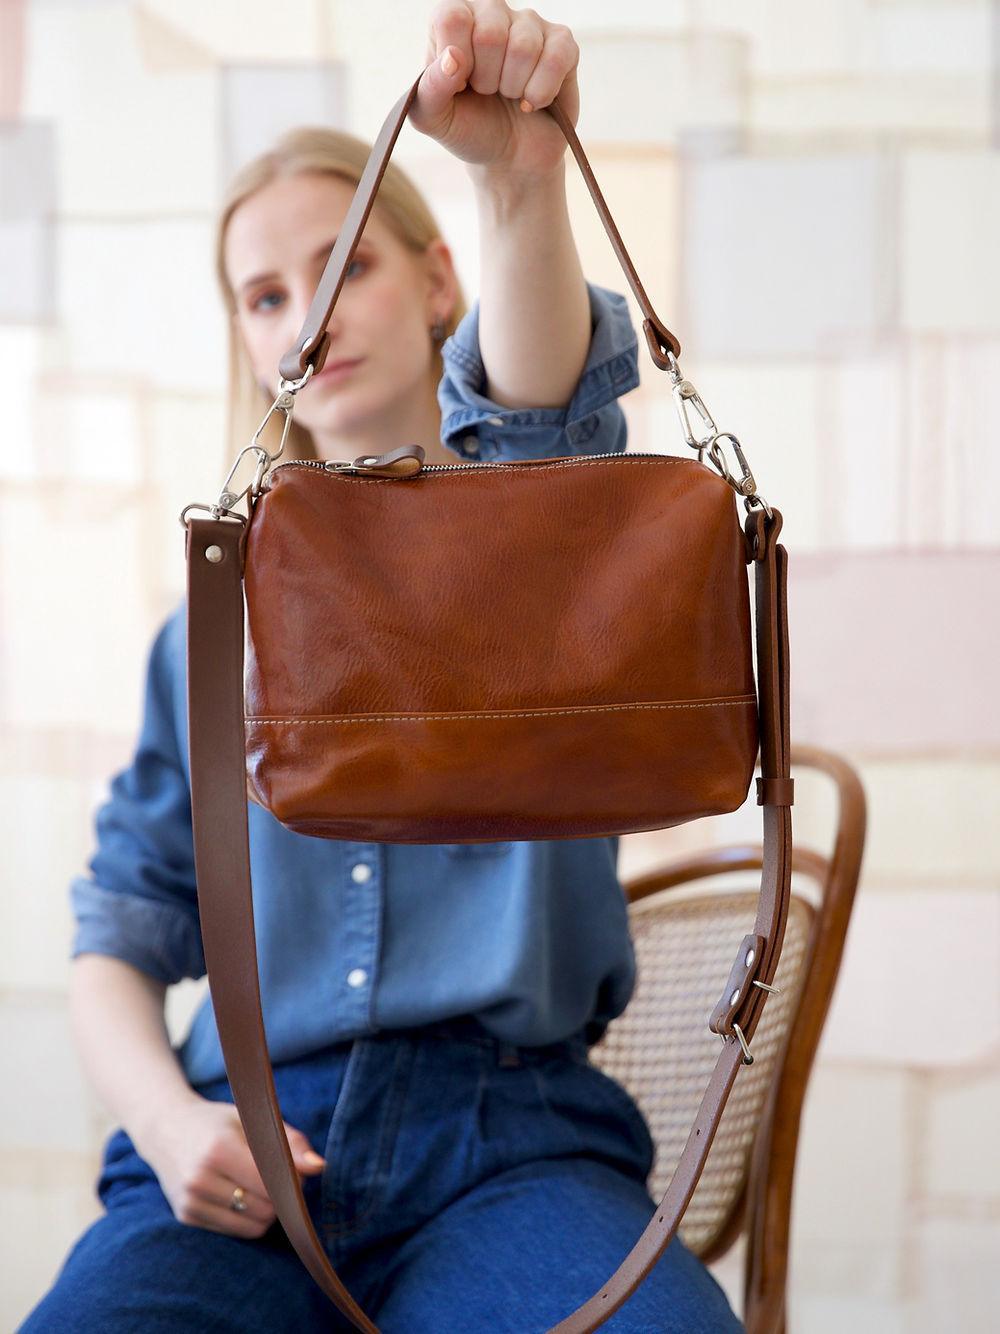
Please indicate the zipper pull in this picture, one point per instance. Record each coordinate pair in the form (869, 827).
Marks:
(406, 461)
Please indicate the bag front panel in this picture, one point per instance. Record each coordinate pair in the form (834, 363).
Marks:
(581, 665)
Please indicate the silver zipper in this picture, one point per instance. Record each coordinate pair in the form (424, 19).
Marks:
(344, 467)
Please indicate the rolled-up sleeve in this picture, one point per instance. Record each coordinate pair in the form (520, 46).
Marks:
(593, 422)
(139, 903)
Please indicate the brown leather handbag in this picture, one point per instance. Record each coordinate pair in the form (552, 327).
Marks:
(428, 647)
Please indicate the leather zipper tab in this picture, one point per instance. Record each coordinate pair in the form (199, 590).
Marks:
(406, 461)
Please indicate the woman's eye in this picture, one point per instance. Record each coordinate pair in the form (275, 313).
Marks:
(258, 302)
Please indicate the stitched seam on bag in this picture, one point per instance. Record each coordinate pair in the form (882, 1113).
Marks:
(477, 717)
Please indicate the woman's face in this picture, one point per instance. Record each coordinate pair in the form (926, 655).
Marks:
(276, 246)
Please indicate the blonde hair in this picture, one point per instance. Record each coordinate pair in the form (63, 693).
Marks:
(399, 204)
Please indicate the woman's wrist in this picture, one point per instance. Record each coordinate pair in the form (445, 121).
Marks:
(151, 1128)
(118, 1020)
(508, 191)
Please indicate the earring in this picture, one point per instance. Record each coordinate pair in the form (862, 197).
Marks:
(437, 331)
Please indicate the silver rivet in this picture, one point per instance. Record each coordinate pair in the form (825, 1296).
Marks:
(734, 997)
(214, 554)
(751, 955)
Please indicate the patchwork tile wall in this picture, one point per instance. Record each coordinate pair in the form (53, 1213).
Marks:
(811, 195)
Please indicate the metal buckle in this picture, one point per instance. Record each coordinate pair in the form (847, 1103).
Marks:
(747, 1058)
(747, 1055)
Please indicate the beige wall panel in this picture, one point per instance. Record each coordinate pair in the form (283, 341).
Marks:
(833, 1314)
(260, 102)
(933, 821)
(962, 1119)
(162, 321)
(954, 1275)
(860, 110)
(23, 352)
(75, 619)
(130, 141)
(894, 652)
(242, 29)
(885, 1014)
(49, 1198)
(775, 263)
(675, 81)
(45, 823)
(789, 37)
(88, 428)
(854, 1129)
(950, 221)
(39, 1053)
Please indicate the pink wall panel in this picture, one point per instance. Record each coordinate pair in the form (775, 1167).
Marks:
(895, 652)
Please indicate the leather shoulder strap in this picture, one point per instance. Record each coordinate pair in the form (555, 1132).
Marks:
(313, 341)
(222, 861)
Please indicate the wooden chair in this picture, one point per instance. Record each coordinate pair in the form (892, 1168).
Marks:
(662, 1050)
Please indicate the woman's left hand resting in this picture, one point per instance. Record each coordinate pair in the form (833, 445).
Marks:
(497, 50)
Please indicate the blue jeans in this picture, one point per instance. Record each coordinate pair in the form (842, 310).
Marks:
(471, 1187)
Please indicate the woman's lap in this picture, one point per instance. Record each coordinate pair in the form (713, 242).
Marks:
(462, 1192)
(527, 1248)
(137, 1268)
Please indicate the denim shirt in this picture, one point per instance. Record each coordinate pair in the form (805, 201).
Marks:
(531, 937)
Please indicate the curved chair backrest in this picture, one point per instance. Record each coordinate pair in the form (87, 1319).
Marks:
(662, 1050)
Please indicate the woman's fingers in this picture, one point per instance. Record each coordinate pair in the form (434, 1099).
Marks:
(215, 1191)
(451, 25)
(489, 45)
(217, 1218)
(558, 61)
(513, 52)
(525, 42)
(432, 109)
(229, 1160)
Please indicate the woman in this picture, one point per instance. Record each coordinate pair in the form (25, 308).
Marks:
(428, 1008)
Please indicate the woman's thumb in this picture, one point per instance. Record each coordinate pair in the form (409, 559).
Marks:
(441, 80)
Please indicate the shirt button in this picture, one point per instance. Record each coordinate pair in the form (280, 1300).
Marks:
(469, 445)
(496, 421)
(361, 873)
(357, 977)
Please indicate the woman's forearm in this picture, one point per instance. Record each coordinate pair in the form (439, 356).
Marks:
(121, 1034)
(534, 313)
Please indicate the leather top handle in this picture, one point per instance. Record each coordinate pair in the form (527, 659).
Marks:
(313, 341)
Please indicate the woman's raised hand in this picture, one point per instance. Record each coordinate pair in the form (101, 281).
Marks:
(477, 49)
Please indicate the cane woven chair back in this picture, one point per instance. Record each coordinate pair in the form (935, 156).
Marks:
(662, 1051)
